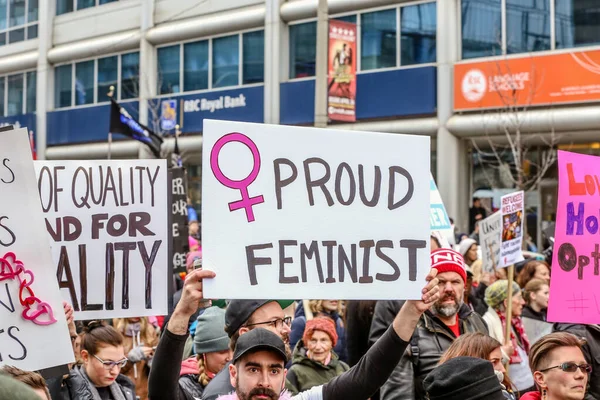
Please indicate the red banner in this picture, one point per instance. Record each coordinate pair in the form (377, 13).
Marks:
(342, 71)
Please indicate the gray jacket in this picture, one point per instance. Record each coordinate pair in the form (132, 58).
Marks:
(430, 340)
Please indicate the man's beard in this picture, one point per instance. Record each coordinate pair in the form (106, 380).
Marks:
(288, 349)
(447, 310)
(257, 391)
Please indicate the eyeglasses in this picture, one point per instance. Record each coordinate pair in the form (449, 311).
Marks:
(571, 367)
(276, 323)
(108, 365)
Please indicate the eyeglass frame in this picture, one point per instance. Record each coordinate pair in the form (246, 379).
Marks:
(276, 323)
(108, 365)
(562, 367)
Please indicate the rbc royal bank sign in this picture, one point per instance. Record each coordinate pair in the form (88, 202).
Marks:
(244, 104)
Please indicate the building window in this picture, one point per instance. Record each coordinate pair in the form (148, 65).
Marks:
(378, 39)
(226, 61)
(195, 68)
(130, 75)
(30, 105)
(168, 69)
(15, 95)
(67, 6)
(218, 58)
(93, 79)
(254, 57)
(577, 23)
(527, 26)
(303, 49)
(19, 92)
(418, 33)
(481, 28)
(18, 20)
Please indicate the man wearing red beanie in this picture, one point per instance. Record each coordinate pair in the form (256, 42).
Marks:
(437, 329)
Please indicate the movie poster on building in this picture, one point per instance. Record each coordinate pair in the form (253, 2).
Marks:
(107, 222)
(342, 71)
(33, 329)
(490, 240)
(286, 214)
(512, 207)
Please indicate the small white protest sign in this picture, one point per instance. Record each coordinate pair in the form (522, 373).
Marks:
(108, 226)
(439, 217)
(490, 238)
(33, 329)
(513, 206)
(292, 213)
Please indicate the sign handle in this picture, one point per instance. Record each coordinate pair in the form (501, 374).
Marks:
(511, 277)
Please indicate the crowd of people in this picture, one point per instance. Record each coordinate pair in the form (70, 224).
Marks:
(451, 344)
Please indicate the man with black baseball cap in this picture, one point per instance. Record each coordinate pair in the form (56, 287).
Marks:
(360, 382)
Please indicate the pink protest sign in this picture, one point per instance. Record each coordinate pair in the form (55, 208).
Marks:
(576, 260)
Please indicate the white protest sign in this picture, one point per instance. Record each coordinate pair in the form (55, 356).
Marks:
(292, 213)
(439, 217)
(490, 238)
(33, 329)
(513, 206)
(108, 226)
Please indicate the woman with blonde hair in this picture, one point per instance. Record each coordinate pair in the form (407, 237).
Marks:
(140, 339)
(479, 345)
(310, 309)
(559, 368)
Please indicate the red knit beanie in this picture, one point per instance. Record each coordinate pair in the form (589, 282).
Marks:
(448, 260)
(323, 324)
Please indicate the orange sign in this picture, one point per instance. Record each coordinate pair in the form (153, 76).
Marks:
(342, 71)
(533, 80)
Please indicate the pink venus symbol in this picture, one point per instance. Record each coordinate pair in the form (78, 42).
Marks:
(246, 201)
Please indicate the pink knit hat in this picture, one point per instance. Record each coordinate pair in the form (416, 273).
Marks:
(323, 324)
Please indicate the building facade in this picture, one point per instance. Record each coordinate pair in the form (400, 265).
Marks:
(181, 61)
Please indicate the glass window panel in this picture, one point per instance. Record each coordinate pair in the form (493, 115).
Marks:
(577, 23)
(195, 66)
(527, 26)
(3, 13)
(130, 75)
(31, 92)
(347, 18)
(32, 11)
(84, 82)
(16, 12)
(108, 75)
(16, 35)
(418, 25)
(2, 114)
(254, 57)
(62, 86)
(226, 61)
(2, 38)
(15, 95)
(378, 39)
(81, 4)
(303, 49)
(63, 6)
(481, 28)
(168, 69)
(32, 32)
(106, 1)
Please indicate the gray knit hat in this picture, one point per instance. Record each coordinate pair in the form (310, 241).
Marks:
(210, 331)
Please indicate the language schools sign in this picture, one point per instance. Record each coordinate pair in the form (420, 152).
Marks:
(342, 71)
(33, 330)
(286, 214)
(108, 226)
(576, 256)
(530, 80)
(245, 104)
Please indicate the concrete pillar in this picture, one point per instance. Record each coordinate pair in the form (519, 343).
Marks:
(452, 160)
(274, 29)
(321, 65)
(148, 75)
(44, 76)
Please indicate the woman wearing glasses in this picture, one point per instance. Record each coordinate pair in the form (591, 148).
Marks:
(559, 368)
(99, 376)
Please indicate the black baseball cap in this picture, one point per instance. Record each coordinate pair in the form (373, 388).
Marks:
(259, 339)
(238, 312)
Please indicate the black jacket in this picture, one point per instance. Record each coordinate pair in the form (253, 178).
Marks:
(219, 385)
(359, 314)
(76, 387)
(529, 312)
(591, 351)
(430, 340)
